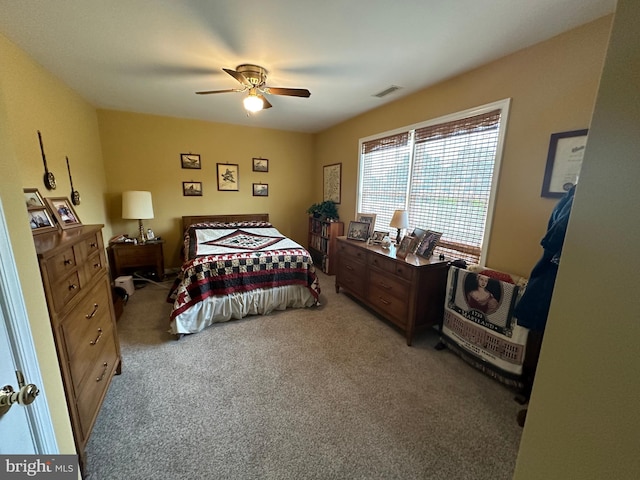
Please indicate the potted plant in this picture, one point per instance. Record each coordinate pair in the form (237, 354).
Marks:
(327, 210)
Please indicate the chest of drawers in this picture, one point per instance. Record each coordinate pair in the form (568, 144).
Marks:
(409, 293)
(74, 274)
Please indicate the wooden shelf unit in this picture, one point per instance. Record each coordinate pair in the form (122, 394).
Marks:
(322, 243)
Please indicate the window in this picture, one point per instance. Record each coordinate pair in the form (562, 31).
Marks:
(444, 172)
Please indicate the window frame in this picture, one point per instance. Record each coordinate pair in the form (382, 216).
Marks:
(503, 105)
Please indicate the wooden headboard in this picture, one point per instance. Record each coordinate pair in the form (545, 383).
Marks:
(240, 217)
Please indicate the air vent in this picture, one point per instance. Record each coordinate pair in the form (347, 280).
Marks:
(387, 91)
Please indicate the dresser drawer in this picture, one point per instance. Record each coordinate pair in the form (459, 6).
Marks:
(390, 284)
(65, 289)
(94, 264)
(381, 262)
(351, 276)
(96, 385)
(91, 245)
(62, 264)
(355, 253)
(85, 329)
(395, 308)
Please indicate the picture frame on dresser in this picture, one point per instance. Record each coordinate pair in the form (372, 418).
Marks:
(358, 231)
(404, 248)
(64, 213)
(428, 244)
(369, 218)
(41, 219)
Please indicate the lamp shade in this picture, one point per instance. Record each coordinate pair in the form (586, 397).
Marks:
(137, 205)
(400, 219)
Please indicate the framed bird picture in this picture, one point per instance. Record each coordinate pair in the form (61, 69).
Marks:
(228, 177)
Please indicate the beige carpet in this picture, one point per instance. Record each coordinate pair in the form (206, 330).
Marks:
(331, 392)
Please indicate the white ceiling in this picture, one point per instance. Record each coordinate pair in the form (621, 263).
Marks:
(150, 56)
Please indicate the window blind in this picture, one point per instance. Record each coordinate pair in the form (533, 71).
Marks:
(442, 173)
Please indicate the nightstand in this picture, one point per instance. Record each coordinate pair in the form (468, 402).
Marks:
(126, 258)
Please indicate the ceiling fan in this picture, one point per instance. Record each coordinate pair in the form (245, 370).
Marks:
(253, 79)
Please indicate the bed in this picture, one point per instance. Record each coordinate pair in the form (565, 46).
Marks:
(235, 266)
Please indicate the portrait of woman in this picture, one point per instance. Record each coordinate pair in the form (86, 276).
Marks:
(482, 293)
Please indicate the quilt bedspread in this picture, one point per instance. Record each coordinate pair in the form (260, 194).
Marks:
(234, 258)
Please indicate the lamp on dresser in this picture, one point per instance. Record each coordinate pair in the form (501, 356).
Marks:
(400, 220)
(137, 205)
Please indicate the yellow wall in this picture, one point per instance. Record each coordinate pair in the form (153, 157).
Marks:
(31, 99)
(583, 420)
(552, 86)
(142, 152)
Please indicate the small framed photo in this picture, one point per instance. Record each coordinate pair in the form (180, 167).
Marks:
(33, 199)
(260, 164)
(192, 189)
(63, 212)
(378, 236)
(358, 231)
(418, 234)
(564, 161)
(369, 218)
(404, 247)
(190, 160)
(228, 177)
(428, 244)
(260, 190)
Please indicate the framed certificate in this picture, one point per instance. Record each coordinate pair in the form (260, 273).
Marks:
(564, 162)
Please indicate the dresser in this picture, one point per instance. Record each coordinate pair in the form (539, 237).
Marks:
(410, 293)
(78, 292)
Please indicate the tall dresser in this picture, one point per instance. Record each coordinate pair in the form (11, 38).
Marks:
(74, 273)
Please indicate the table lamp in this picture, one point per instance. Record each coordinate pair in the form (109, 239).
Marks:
(137, 205)
(400, 220)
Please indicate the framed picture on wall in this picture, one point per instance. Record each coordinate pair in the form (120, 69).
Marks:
(192, 189)
(190, 160)
(260, 190)
(260, 164)
(228, 177)
(564, 161)
(332, 179)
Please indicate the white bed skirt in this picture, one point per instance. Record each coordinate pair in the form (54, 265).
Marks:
(238, 305)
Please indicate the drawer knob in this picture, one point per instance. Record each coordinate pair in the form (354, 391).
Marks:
(96, 266)
(93, 245)
(92, 314)
(66, 261)
(384, 285)
(104, 372)
(348, 267)
(73, 286)
(97, 339)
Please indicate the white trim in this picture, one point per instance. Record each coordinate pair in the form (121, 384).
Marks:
(16, 323)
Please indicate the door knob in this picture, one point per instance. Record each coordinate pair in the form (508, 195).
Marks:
(25, 395)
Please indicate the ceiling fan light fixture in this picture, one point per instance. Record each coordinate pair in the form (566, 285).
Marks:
(252, 103)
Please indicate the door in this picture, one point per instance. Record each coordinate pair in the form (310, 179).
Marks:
(24, 429)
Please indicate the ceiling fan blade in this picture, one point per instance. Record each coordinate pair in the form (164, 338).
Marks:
(291, 92)
(239, 77)
(219, 91)
(264, 101)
